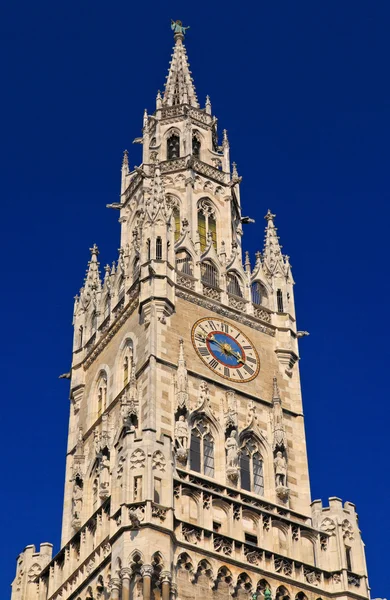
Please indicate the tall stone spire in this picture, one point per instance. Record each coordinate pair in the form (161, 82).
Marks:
(92, 279)
(179, 87)
(272, 254)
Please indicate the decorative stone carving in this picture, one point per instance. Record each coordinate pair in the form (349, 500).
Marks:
(137, 459)
(328, 526)
(193, 535)
(77, 503)
(104, 477)
(253, 557)
(280, 465)
(347, 530)
(158, 461)
(230, 413)
(311, 576)
(120, 466)
(181, 379)
(282, 565)
(136, 515)
(130, 402)
(232, 454)
(159, 512)
(222, 544)
(181, 439)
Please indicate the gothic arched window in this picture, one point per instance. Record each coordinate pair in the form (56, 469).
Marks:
(184, 263)
(173, 146)
(176, 221)
(148, 248)
(259, 293)
(251, 468)
(202, 449)
(136, 268)
(207, 224)
(101, 393)
(107, 306)
(279, 299)
(158, 248)
(233, 285)
(125, 371)
(127, 361)
(121, 288)
(196, 145)
(209, 274)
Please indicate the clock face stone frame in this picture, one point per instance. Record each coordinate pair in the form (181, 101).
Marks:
(225, 349)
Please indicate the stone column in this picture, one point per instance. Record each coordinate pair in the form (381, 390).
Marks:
(166, 584)
(126, 576)
(147, 572)
(115, 586)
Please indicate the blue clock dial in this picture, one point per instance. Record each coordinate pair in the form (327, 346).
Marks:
(225, 349)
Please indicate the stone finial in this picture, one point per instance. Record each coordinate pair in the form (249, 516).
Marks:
(208, 105)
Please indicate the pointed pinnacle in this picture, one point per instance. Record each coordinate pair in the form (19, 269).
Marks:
(275, 390)
(269, 216)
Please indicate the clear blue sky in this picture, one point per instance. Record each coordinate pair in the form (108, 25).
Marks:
(303, 89)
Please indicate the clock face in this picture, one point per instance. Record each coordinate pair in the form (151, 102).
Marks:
(225, 349)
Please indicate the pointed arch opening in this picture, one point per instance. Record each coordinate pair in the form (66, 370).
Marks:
(259, 294)
(176, 223)
(184, 262)
(251, 467)
(196, 144)
(207, 223)
(173, 145)
(202, 448)
(234, 285)
(209, 274)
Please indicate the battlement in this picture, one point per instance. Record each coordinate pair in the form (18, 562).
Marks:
(29, 565)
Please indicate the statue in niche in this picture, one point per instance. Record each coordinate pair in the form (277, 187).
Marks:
(104, 475)
(232, 449)
(232, 454)
(181, 439)
(280, 465)
(77, 501)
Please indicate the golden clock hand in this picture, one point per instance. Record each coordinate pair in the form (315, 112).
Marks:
(236, 355)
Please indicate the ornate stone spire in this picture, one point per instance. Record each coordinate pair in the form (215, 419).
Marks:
(179, 87)
(181, 379)
(279, 434)
(272, 250)
(92, 279)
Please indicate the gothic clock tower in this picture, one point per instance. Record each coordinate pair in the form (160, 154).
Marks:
(186, 469)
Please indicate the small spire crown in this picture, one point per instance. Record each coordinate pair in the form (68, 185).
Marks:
(272, 250)
(92, 279)
(179, 87)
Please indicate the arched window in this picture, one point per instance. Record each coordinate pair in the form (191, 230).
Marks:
(279, 299)
(101, 393)
(158, 248)
(259, 293)
(184, 263)
(148, 248)
(81, 333)
(209, 274)
(251, 467)
(202, 449)
(176, 221)
(136, 268)
(93, 322)
(207, 224)
(233, 285)
(125, 371)
(107, 306)
(121, 288)
(173, 146)
(196, 145)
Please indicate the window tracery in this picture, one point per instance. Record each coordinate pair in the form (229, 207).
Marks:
(259, 294)
(207, 223)
(209, 274)
(233, 285)
(173, 146)
(202, 449)
(251, 467)
(184, 262)
(196, 145)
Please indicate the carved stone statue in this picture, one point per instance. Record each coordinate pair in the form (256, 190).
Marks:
(177, 27)
(181, 439)
(280, 465)
(104, 475)
(181, 432)
(232, 449)
(77, 499)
